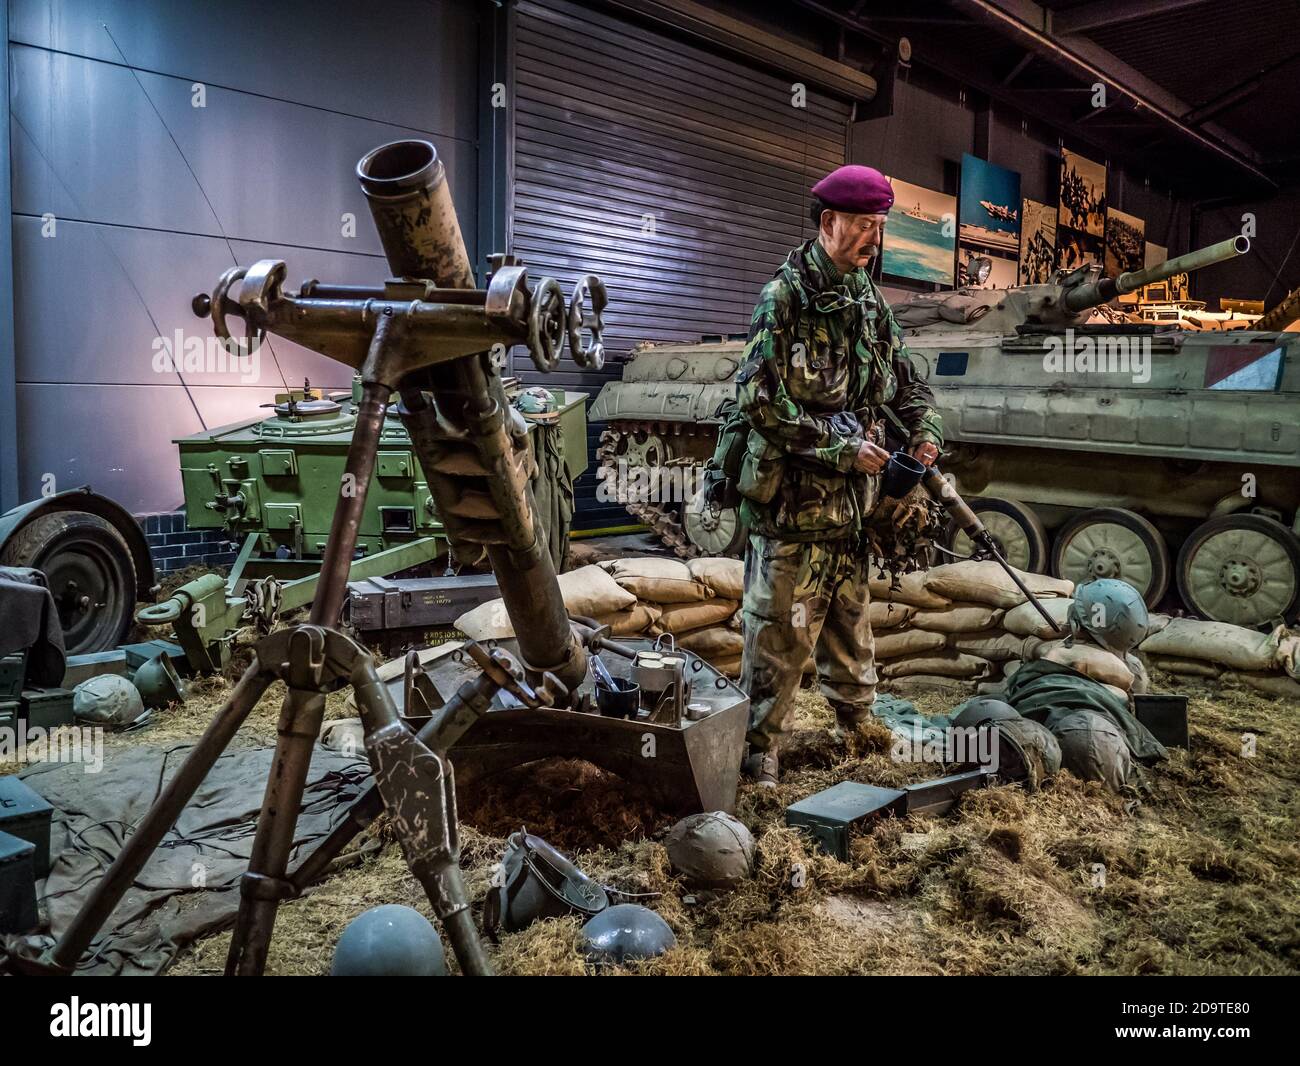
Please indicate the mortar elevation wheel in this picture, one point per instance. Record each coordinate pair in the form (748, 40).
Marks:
(1115, 543)
(1243, 569)
(1015, 528)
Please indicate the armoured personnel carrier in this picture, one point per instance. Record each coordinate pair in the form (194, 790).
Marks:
(1143, 452)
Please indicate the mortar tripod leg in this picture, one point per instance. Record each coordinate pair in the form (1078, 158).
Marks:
(264, 885)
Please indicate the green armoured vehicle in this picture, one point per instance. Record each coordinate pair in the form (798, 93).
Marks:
(275, 476)
(1088, 450)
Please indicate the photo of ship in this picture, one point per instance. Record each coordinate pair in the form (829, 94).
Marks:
(921, 236)
(989, 206)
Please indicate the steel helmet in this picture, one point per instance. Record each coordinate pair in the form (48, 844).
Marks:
(625, 932)
(982, 709)
(1110, 611)
(711, 850)
(389, 941)
(109, 700)
(537, 881)
(1035, 745)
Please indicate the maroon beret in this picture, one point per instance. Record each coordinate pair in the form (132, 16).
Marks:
(860, 190)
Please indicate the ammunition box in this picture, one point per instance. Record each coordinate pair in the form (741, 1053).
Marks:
(12, 670)
(379, 603)
(1165, 715)
(17, 885)
(829, 815)
(25, 815)
(48, 708)
(9, 714)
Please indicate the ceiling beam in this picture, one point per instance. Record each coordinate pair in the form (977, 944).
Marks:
(1030, 25)
(1020, 67)
(1110, 12)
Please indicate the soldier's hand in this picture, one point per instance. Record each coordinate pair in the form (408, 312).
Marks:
(925, 453)
(871, 458)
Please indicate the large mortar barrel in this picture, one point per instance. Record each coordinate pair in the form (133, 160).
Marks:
(1103, 290)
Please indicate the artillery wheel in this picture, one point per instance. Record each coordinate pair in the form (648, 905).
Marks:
(714, 530)
(89, 570)
(1241, 568)
(1112, 542)
(1015, 528)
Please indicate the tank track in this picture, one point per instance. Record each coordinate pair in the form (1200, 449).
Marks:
(663, 519)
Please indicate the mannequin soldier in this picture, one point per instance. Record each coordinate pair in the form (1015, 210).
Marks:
(824, 356)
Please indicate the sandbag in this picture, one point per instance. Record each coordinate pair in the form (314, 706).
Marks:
(726, 577)
(1009, 669)
(716, 642)
(1157, 622)
(1216, 642)
(915, 684)
(958, 618)
(679, 618)
(991, 688)
(730, 667)
(1141, 679)
(886, 615)
(1173, 664)
(1288, 651)
(639, 618)
(658, 580)
(986, 582)
(992, 644)
(1025, 621)
(911, 589)
(1272, 684)
(1098, 663)
(940, 664)
(589, 591)
(895, 644)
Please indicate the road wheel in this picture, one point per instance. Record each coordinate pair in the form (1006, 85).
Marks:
(1115, 543)
(88, 568)
(1241, 568)
(714, 530)
(1015, 528)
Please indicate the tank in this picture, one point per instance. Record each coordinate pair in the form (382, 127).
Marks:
(1164, 457)
(272, 475)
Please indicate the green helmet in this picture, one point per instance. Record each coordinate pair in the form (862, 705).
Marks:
(711, 850)
(1112, 612)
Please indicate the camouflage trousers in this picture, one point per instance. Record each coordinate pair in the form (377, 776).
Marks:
(804, 600)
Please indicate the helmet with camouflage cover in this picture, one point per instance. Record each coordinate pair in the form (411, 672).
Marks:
(1093, 748)
(1111, 612)
(711, 850)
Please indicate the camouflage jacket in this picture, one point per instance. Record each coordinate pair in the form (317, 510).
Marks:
(824, 356)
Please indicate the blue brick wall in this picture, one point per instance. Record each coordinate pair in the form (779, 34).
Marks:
(175, 547)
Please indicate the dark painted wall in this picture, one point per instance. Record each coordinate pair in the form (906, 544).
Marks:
(153, 197)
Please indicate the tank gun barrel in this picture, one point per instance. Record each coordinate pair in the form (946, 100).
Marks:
(1093, 293)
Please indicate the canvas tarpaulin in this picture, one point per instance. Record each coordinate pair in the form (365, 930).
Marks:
(189, 887)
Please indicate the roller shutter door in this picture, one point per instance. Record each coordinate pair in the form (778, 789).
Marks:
(678, 175)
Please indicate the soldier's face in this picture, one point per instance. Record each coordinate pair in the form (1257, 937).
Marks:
(851, 240)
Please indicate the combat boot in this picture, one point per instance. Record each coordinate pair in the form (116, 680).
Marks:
(764, 767)
(848, 719)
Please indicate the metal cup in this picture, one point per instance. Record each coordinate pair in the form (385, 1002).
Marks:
(902, 474)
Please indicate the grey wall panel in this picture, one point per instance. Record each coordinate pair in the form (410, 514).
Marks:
(922, 141)
(409, 62)
(615, 124)
(273, 154)
(242, 165)
(132, 286)
(115, 438)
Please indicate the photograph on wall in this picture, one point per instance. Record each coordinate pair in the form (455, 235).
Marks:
(1155, 254)
(1125, 242)
(921, 236)
(1037, 242)
(1075, 249)
(1083, 194)
(989, 205)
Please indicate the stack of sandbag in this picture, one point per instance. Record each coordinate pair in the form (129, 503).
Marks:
(588, 591)
(1267, 662)
(943, 630)
(696, 602)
